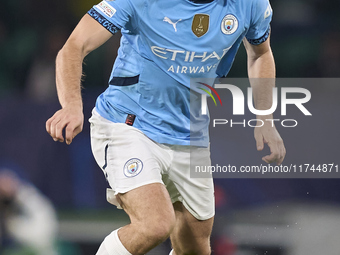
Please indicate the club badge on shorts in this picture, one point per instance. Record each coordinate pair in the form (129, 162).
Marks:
(133, 167)
(229, 24)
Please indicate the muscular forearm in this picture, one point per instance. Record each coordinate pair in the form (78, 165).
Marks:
(68, 74)
(261, 65)
(261, 71)
(87, 36)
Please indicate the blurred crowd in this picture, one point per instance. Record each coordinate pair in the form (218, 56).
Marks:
(28, 222)
(305, 41)
(31, 34)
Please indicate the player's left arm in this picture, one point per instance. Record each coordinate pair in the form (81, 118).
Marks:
(261, 72)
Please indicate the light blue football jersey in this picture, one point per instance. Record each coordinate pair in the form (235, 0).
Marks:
(166, 43)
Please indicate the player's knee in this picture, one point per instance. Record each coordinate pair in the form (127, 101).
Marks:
(160, 229)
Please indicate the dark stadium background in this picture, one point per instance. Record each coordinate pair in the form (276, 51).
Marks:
(305, 41)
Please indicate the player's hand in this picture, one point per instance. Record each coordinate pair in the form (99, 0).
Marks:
(267, 134)
(70, 118)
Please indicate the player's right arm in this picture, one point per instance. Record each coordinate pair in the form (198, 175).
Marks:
(86, 37)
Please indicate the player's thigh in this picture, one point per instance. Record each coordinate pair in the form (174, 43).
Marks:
(128, 158)
(149, 206)
(190, 235)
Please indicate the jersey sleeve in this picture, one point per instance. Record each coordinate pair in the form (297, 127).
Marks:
(261, 17)
(113, 15)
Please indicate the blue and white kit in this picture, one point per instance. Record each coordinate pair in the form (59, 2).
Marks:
(166, 43)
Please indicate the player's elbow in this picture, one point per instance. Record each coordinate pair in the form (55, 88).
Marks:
(255, 52)
(72, 49)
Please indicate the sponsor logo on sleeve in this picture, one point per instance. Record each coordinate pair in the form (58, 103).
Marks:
(107, 9)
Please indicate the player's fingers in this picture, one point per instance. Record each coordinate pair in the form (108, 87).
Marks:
(282, 155)
(277, 152)
(281, 151)
(71, 131)
(58, 135)
(259, 141)
(56, 128)
(273, 157)
(50, 123)
(52, 129)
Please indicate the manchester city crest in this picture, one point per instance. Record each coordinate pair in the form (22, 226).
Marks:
(133, 167)
(229, 24)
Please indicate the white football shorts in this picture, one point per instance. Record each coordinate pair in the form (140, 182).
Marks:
(129, 159)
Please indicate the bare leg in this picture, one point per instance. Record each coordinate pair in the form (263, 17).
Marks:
(190, 236)
(152, 218)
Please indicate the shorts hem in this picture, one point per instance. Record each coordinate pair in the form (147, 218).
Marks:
(122, 191)
(192, 212)
(111, 198)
